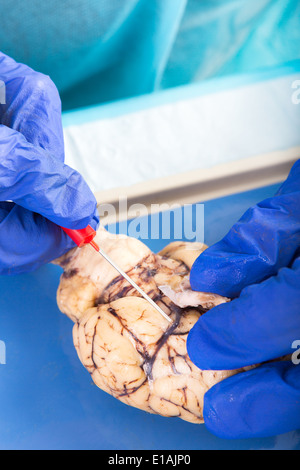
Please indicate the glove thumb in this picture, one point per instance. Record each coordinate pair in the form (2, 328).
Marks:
(35, 180)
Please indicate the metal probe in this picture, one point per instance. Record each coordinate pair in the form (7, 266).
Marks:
(86, 236)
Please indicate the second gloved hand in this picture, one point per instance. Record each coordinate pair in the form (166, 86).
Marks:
(38, 191)
(257, 264)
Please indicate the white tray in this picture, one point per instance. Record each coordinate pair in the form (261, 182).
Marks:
(200, 185)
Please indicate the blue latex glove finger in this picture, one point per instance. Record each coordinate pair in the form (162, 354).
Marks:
(261, 251)
(33, 106)
(29, 240)
(258, 326)
(258, 403)
(265, 239)
(35, 180)
(33, 175)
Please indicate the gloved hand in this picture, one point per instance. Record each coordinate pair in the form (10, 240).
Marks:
(43, 190)
(258, 265)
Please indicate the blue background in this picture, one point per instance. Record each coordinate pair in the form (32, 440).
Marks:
(99, 51)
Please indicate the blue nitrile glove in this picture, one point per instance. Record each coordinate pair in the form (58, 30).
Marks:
(258, 265)
(44, 190)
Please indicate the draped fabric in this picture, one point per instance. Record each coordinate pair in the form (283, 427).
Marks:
(103, 50)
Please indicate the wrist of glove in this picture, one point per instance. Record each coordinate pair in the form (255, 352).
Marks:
(257, 264)
(42, 191)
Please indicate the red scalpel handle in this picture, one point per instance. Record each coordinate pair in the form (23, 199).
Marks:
(83, 236)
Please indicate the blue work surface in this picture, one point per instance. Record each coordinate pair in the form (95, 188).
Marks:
(47, 398)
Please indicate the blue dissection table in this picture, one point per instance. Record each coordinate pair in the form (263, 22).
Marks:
(47, 398)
